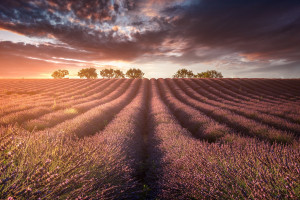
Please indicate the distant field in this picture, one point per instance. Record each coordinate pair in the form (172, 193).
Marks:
(150, 139)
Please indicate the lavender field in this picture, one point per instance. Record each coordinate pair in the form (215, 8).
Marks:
(150, 139)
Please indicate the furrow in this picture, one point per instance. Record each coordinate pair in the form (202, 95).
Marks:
(217, 94)
(236, 122)
(270, 85)
(288, 111)
(54, 118)
(37, 111)
(125, 135)
(285, 86)
(186, 168)
(243, 88)
(49, 101)
(44, 94)
(238, 92)
(268, 120)
(260, 103)
(254, 88)
(97, 118)
(200, 125)
(165, 148)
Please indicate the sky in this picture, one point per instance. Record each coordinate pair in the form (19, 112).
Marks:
(240, 38)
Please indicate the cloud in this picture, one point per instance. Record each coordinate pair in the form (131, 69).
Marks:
(85, 25)
(231, 33)
(267, 28)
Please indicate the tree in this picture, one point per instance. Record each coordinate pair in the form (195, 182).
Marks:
(89, 73)
(107, 73)
(60, 74)
(183, 73)
(134, 73)
(118, 74)
(209, 74)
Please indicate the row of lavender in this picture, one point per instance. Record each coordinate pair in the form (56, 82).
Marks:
(40, 89)
(131, 151)
(256, 94)
(277, 111)
(53, 165)
(235, 91)
(233, 114)
(44, 116)
(192, 169)
(280, 122)
(49, 96)
(181, 102)
(31, 109)
(59, 86)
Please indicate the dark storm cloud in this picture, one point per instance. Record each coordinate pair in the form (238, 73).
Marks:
(266, 27)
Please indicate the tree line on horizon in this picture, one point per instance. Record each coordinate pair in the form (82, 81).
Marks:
(133, 73)
(91, 73)
(184, 73)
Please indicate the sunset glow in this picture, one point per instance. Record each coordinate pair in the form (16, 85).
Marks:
(249, 39)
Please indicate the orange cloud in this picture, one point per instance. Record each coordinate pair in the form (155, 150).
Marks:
(254, 56)
(115, 28)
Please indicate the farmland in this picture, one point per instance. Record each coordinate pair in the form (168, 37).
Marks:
(150, 139)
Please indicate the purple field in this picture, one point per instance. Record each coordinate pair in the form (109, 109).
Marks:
(150, 139)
